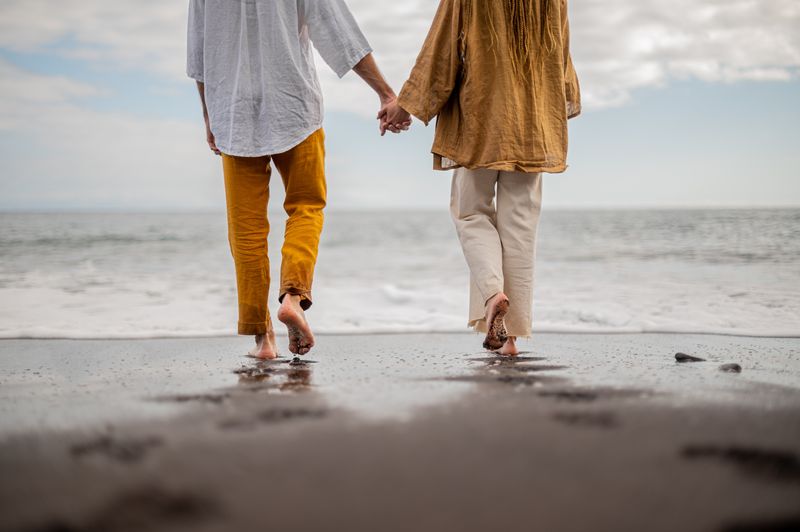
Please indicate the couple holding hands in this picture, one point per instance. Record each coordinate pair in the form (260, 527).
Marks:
(497, 75)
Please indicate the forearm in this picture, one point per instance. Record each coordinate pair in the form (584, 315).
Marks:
(368, 70)
(212, 143)
(201, 88)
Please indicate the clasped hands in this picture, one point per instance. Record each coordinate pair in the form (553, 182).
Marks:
(393, 117)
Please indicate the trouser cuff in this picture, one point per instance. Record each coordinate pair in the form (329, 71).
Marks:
(251, 329)
(305, 296)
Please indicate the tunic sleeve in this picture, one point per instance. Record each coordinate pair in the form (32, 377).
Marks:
(195, 40)
(572, 88)
(434, 76)
(335, 34)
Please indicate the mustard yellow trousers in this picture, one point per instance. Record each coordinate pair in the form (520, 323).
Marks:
(302, 170)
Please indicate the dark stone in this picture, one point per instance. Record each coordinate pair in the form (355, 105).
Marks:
(296, 362)
(731, 368)
(683, 357)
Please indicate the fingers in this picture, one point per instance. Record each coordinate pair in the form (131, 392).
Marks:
(401, 126)
(212, 142)
(394, 119)
(398, 127)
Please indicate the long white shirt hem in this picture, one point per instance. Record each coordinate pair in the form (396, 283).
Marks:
(293, 143)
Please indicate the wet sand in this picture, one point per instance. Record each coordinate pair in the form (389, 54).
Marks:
(408, 432)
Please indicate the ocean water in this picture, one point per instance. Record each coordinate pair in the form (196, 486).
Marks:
(171, 275)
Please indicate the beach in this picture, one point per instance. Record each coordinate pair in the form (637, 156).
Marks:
(126, 404)
(401, 432)
(177, 174)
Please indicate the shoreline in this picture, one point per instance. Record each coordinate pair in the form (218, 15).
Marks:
(389, 332)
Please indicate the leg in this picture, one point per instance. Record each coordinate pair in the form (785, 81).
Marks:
(247, 196)
(519, 200)
(303, 172)
(473, 211)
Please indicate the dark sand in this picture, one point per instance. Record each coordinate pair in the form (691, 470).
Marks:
(406, 433)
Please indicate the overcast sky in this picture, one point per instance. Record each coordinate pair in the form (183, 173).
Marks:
(687, 103)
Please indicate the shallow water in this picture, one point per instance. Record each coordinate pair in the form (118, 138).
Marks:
(106, 276)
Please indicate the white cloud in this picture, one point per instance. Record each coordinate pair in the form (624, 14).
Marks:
(23, 95)
(136, 34)
(619, 45)
(622, 45)
(70, 155)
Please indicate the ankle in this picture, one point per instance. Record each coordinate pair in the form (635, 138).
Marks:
(495, 299)
(292, 299)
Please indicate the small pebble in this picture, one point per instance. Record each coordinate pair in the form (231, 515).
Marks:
(731, 368)
(296, 362)
(683, 357)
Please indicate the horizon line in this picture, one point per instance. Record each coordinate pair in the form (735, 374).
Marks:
(371, 210)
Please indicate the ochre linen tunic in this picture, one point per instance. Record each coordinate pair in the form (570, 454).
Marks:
(488, 117)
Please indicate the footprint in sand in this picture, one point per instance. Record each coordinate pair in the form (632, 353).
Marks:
(602, 420)
(768, 464)
(121, 450)
(150, 508)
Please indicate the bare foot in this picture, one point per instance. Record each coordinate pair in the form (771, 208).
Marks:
(265, 347)
(509, 348)
(301, 339)
(496, 310)
(272, 342)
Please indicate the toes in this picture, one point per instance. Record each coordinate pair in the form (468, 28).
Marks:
(305, 348)
(293, 345)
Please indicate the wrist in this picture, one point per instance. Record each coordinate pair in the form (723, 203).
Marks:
(387, 95)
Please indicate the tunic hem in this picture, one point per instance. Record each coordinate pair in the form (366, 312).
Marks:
(501, 166)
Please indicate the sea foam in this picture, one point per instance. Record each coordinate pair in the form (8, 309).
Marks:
(145, 276)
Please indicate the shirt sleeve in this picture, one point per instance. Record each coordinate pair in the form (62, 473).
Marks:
(195, 39)
(335, 34)
(572, 88)
(434, 76)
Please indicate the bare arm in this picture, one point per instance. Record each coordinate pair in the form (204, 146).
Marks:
(212, 143)
(368, 70)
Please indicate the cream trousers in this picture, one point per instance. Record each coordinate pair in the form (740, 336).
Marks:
(496, 215)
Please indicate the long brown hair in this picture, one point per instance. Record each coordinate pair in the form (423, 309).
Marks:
(529, 32)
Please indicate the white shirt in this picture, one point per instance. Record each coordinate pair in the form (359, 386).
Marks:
(254, 57)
